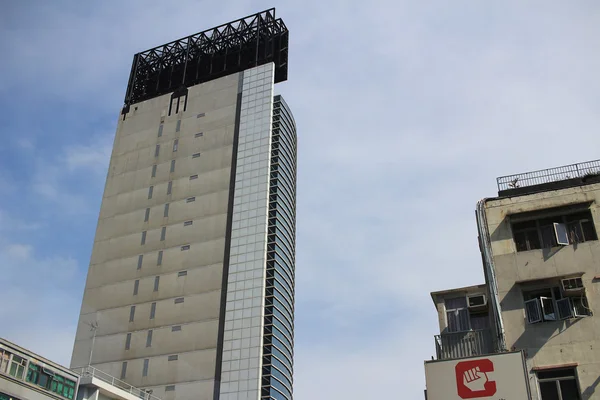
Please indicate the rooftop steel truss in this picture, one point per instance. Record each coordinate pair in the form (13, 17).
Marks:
(232, 47)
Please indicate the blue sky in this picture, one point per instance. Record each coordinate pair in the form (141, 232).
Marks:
(407, 112)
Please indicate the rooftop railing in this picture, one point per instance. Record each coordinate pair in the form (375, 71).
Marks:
(90, 371)
(550, 175)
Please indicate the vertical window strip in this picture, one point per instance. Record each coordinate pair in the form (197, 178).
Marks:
(152, 310)
(156, 283)
(163, 233)
(160, 257)
(140, 261)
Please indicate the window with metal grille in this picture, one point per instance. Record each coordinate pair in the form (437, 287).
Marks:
(558, 384)
(552, 231)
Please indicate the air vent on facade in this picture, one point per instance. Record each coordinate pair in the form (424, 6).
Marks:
(476, 301)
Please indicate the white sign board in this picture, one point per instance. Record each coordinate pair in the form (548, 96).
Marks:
(492, 377)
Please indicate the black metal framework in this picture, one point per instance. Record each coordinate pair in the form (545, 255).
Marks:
(232, 47)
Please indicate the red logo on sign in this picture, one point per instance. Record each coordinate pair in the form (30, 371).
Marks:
(472, 380)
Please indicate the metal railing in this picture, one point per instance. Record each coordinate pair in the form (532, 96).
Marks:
(90, 371)
(463, 344)
(532, 178)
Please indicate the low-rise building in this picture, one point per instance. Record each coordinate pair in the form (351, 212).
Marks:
(25, 375)
(541, 260)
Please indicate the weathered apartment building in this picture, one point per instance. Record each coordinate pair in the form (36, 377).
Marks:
(541, 259)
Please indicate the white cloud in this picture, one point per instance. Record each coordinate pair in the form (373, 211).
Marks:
(41, 298)
(94, 156)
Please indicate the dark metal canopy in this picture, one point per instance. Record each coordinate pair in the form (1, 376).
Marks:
(238, 45)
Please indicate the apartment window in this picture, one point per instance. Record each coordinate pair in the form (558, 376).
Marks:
(140, 260)
(174, 357)
(156, 282)
(179, 300)
(170, 388)
(175, 145)
(149, 338)
(160, 130)
(457, 314)
(172, 166)
(558, 384)
(461, 318)
(200, 115)
(136, 286)
(150, 190)
(147, 215)
(143, 241)
(145, 369)
(199, 134)
(152, 310)
(193, 177)
(185, 247)
(163, 233)
(131, 313)
(182, 273)
(190, 199)
(195, 155)
(154, 171)
(124, 370)
(178, 127)
(17, 365)
(176, 328)
(157, 150)
(188, 223)
(562, 229)
(169, 187)
(159, 258)
(552, 304)
(128, 341)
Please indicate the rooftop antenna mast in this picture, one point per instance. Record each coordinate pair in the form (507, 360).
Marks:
(93, 328)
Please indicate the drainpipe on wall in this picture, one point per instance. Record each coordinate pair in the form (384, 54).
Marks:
(485, 246)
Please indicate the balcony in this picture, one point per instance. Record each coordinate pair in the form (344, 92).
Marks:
(463, 344)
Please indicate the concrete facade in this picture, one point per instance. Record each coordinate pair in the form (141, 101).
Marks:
(569, 342)
(158, 274)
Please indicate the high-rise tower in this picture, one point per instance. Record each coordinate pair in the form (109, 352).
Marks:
(190, 288)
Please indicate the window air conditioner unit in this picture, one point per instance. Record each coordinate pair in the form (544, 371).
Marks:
(476, 301)
(572, 285)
